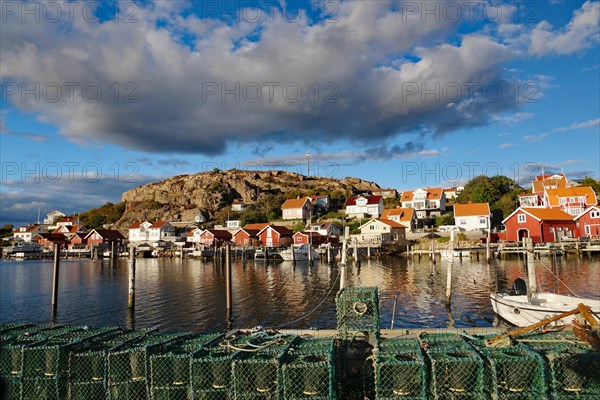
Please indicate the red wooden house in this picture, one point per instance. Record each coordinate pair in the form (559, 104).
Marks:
(313, 237)
(275, 236)
(215, 237)
(246, 237)
(99, 237)
(48, 240)
(542, 225)
(588, 223)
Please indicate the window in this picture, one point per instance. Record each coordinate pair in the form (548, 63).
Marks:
(372, 227)
(595, 214)
(482, 221)
(463, 221)
(522, 218)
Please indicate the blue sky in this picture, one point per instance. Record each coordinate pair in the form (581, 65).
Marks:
(404, 93)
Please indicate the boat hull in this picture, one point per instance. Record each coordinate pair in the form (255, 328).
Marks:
(521, 311)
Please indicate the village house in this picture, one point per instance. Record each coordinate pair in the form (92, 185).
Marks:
(68, 229)
(320, 202)
(385, 193)
(275, 236)
(67, 221)
(215, 237)
(237, 205)
(151, 231)
(53, 216)
(472, 216)
(538, 189)
(573, 200)
(49, 240)
(315, 238)
(104, 238)
(324, 228)
(193, 235)
(297, 208)
(588, 223)
(77, 242)
(453, 192)
(404, 216)
(427, 202)
(27, 233)
(381, 230)
(364, 206)
(542, 225)
(245, 237)
(233, 225)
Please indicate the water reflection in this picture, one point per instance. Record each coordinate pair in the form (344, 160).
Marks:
(176, 294)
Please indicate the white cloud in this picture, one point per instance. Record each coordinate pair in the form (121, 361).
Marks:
(506, 145)
(593, 123)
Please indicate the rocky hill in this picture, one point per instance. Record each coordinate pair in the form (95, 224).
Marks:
(182, 197)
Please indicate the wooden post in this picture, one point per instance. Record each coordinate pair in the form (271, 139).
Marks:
(112, 253)
(531, 269)
(131, 292)
(55, 277)
(328, 254)
(266, 255)
(449, 272)
(355, 251)
(228, 277)
(487, 246)
(310, 258)
(244, 254)
(293, 254)
(369, 251)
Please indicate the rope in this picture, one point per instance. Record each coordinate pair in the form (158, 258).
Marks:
(277, 340)
(555, 276)
(314, 309)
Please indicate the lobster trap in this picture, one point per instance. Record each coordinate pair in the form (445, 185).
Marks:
(574, 373)
(309, 370)
(399, 369)
(455, 374)
(357, 310)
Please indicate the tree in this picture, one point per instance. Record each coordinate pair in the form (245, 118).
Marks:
(587, 181)
(444, 219)
(6, 230)
(391, 202)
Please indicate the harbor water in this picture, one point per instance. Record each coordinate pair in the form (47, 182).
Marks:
(177, 295)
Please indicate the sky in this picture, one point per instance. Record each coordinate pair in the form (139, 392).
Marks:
(101, 97)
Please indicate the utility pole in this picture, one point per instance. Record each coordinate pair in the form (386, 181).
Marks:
(307, 162)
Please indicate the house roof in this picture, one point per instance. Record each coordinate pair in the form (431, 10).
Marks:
(547, 180)
(54, 237)
(542, 214)
(592, 208)
(405, 214)
(295, 203)
(27, 228)
(432, 194)
(554, 195)
(281, 230)
(191, 231)
(67, 229)
(221, 234)
(136, 225)
(311, 233)
(111, 234)
(258, 226)
(158, 224)
(252, 233)
(387, 222)
(370, 200)
(68, 219)
(471, 209)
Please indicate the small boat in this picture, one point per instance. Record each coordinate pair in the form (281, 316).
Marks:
(261, 255)
(301, 252)
(25, 247)
(522, 310)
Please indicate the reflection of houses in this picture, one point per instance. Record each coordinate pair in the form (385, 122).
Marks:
(472, 216)
(215, 237)
(426, 202)
(381, 230)
(540, 224)
(324, 228)
(274, 236)
(404, 216)
(297, 208)
(385, 193)
(27, 233)
(314, 238)
(364, 206)
(588, 223)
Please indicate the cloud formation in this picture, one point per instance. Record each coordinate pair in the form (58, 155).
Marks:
(174, 81)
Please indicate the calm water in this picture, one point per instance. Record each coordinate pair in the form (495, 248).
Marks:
(190, 294)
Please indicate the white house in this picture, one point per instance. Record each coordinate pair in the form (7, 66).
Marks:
(324, 228)
(364, 206)
(26, 233)
(68, 221)
(233, 225)
(381, 230)
(404, 216)
(237, 206)
(472, 216)
(194, 235)
(426, 202)
(151, 231)
(53, 216)
(297, 208)
(321, 202)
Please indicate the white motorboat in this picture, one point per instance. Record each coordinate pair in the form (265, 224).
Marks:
(521, 309)
(301, 253)
(25, 247)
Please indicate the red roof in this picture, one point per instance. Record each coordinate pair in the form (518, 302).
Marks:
(110, 234)
(220, 234)
(136, 225)
(370, 200)
(471, 210)
(158, 224)
(259, 226)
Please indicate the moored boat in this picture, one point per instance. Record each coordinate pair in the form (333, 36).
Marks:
(301, 253)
